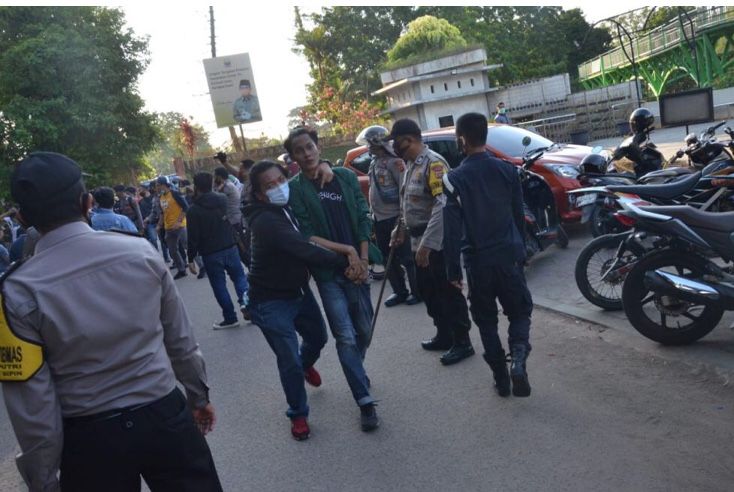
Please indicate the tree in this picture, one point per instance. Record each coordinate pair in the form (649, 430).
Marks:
(426, 34)
(172, 143)
(68, 84)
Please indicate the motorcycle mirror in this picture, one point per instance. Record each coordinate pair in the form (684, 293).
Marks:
(526, 141)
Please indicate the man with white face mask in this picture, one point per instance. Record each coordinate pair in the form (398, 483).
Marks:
(281, 303)
(211, 236)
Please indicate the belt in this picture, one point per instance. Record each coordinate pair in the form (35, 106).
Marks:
(417, 231)
(118, 412)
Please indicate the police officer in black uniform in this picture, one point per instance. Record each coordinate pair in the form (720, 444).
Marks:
(90, 365)
(483, 218)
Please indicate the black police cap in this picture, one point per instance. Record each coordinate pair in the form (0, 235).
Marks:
(402, 127)
(42, 176)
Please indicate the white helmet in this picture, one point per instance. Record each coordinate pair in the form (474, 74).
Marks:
(375, 135)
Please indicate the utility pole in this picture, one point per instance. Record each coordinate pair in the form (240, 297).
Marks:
(232, 133)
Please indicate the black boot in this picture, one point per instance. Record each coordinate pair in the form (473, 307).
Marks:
(500, 373)
(518, 371)
(459, 351)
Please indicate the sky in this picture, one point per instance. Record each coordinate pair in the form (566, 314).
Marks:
(179, 39)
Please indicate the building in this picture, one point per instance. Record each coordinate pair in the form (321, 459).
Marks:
(435, 93)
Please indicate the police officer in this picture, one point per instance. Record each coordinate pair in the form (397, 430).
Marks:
(246, 108)
(421, 204)
(386, 175)
(89, 366)
(483, 218)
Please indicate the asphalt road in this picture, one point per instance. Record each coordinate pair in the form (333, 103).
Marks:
(602, 416)
(610, 410)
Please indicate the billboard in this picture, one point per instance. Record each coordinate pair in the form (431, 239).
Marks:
(687, 108)
(232, 89)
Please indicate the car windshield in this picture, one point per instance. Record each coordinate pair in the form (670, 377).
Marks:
(508, 140)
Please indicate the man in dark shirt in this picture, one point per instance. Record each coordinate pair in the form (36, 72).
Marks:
(335, 215)
(483, 217)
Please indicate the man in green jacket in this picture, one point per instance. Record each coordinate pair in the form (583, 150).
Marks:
(336, 216)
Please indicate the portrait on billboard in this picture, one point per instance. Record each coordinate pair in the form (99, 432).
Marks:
(232, 89)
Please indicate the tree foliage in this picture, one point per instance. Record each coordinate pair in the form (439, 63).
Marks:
(349, 45)
(175, 143)
(68, 84)
(426, 34)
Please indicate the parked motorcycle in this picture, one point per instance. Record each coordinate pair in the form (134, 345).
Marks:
(603, 264)
(677, 293)
(705, 153)
(542, 222)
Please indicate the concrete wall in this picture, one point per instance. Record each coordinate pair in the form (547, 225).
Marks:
(527, 97)
(478, 55)
(452, 85)
(455, 108)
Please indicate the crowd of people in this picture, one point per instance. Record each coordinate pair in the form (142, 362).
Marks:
(93, 374)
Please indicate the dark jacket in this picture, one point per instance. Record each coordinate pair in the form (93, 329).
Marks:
(483, 216)
(304, 200)
(207, 226)
(281, 255)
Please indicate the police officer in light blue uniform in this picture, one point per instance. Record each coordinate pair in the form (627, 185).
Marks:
(90, 388)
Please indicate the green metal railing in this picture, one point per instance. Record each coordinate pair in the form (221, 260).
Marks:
(659, 40)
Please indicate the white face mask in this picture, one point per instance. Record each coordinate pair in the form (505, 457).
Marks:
(279, 195)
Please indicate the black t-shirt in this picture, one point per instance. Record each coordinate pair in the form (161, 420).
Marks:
(337, 215)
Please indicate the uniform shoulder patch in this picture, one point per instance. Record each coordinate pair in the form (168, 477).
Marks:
(20, 359)
(436, 171)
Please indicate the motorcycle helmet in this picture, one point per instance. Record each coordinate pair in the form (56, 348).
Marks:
(641, 121)
(375, 135)
(593, 164)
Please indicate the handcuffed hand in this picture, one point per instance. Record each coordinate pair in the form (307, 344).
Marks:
(192, 268)
(397, 237)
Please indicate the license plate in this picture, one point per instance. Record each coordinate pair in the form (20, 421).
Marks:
(584, 200)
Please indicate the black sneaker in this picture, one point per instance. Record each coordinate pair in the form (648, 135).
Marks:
(202, 274)
(223, 325)
(457, 353)
(180, 275)
(518, 370)
(395, 300)
(368, 417)
(412, 300)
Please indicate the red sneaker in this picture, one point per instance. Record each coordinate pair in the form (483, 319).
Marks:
(299, 429)
(312, 376)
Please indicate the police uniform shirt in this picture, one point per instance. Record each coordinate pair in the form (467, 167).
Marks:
(422, 199)
(105, 347)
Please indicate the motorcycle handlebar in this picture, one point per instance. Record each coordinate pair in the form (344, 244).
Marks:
(711, 130)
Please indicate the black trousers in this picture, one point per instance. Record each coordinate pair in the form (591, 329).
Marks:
(403, 257)
(445, 303)
(505, 282)
(159, 442)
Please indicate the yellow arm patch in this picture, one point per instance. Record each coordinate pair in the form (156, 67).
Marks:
(20, 360)
(436, 170)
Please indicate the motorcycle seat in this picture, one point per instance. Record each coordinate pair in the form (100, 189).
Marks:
(666, 191)
(695, 218)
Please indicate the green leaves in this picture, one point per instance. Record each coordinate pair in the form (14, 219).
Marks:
(424, 35)
(68, 84)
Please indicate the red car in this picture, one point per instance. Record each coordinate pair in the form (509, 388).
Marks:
(559, 164)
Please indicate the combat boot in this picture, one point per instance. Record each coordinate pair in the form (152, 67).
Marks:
(518, 371)
(500, 373)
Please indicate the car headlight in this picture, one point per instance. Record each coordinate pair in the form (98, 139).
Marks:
(564, 170)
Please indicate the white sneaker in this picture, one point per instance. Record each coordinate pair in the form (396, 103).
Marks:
(223, 325)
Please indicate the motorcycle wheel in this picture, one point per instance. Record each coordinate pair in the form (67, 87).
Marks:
(593, 261)
(562, 238)
(640, 304)
(603, 222)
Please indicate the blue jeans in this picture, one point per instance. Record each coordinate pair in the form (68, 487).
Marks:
(216, 265)
(151, 235)
(279, 321)
(348, 308)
